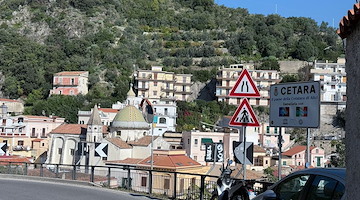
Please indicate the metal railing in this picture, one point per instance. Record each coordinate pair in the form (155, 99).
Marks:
(156, 183)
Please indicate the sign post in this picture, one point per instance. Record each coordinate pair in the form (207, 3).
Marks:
(244, 115)
(295, 105)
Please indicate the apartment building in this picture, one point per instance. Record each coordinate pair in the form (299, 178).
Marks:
(70, 83)
(227, 77)
(159, 84)
(332, 77)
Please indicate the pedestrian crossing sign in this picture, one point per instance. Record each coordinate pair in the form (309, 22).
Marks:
(244, 116)
(245, 86)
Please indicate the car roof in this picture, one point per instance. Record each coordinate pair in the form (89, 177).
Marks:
(336, 173)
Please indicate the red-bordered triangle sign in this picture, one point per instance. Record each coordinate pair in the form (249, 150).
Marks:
(244, 116)
(245, 86)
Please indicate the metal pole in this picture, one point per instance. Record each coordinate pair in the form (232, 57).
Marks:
(244, 159)
(152, 146)
(308, 159)
(280, 147)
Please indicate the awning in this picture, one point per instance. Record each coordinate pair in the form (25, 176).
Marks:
(206, 140)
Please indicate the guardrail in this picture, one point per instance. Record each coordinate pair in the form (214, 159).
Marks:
(156, 183)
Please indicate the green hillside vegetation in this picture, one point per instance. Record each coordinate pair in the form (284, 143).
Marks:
(112, 38)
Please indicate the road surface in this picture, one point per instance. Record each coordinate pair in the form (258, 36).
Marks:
(13, 189)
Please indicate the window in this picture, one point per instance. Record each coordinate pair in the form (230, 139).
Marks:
(166, 111)
(155, 83)
(321, 77)
(325, 188)
(317, 150)
(104, 158)
(43, 134)
(118, 133)
(72, 81)
(332, 86)
(20, 120)
(291, 188)
(275, 130)
(20, 130)
(20, 142)
(268, 129)
(195, 158)
(188, 141)
(43, 144)
(60, 151)
(284, 162)
(72, 152)
(166, 184)
(196, 141)
(258, 161)
(162, 120)
(154, 93)
(143, 181)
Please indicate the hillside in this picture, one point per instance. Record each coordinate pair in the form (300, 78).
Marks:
(111, 38)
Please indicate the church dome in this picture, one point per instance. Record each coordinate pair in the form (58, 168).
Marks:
(130, 117)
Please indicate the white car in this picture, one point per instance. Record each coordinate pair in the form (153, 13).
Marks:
(308, 184)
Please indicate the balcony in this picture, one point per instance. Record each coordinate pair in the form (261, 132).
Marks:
(167, 89)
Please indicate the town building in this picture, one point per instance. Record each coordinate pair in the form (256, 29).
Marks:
(332, 77)
(296, 156)
(159, 84)
(27, 135)
(14, 107)
(227, 77)
(70, 83)
(128, 136)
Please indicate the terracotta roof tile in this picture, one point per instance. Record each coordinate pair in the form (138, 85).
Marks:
(144, 141)
(171, 162)
(127, 161)
(14, 159)
(109, 110)
(75, 129)
(296, 149)
(119, 143)
(348, 22)
(259, 149)
(9, 100)
(70, 73)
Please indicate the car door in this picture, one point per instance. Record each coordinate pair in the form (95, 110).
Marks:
(325, 188)
(292, 187)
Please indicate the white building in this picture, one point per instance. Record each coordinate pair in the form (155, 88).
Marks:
(227, 77)
(332, 77)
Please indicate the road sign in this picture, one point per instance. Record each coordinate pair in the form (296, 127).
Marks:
(214, 151)
(295, 105)
(245, 86)
(244, 115)
(238, 148)
(3, 147)
(101, 149)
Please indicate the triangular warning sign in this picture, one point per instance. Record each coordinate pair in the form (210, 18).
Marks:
(245, 86)
(244, 116)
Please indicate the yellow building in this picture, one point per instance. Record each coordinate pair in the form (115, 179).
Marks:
(155, 84)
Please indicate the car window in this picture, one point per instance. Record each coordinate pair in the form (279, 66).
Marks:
(291, 188)
(325, 188)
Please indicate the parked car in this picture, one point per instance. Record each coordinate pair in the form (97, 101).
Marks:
(308, 184)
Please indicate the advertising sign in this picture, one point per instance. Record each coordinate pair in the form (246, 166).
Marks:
(295, 105)
(214, 151)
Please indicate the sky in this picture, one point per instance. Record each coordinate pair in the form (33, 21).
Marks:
(330, 11)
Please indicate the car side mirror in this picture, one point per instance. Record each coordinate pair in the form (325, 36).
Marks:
(269, 195)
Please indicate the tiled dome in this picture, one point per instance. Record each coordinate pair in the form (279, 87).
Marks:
(130, 117)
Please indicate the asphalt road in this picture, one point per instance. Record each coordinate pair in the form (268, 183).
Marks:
(13, 189)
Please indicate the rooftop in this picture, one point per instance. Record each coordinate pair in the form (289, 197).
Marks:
(349, 21)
